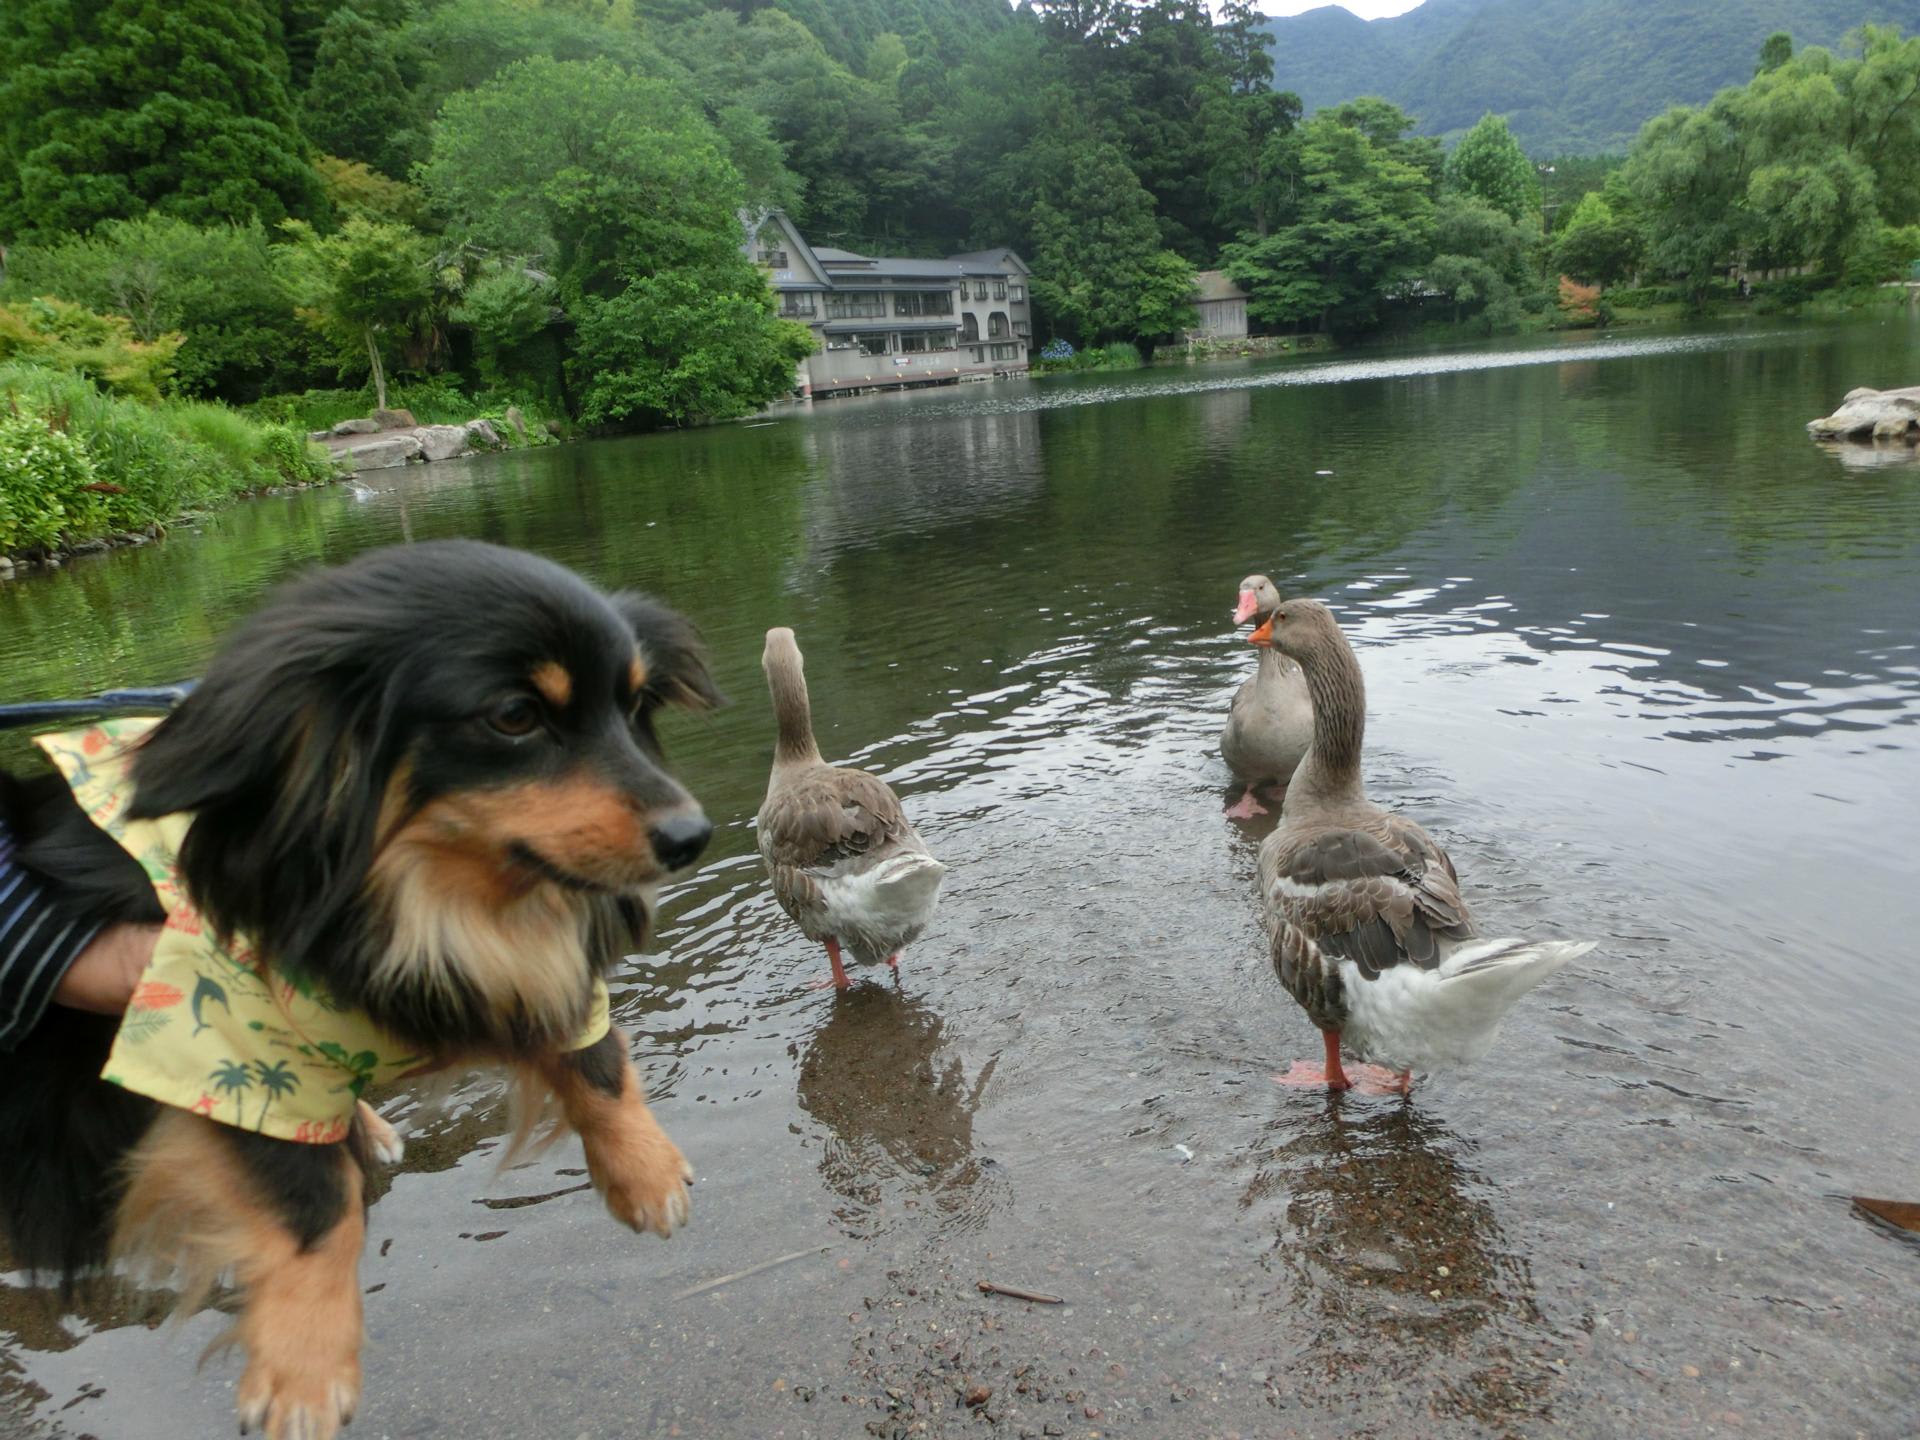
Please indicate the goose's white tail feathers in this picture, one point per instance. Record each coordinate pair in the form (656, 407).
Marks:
(1419, 1018)
(886, 906)
(909, 882)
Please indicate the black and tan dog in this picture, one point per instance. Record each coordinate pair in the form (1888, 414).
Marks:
(425, 785)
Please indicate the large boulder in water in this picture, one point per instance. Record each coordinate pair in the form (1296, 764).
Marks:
(442, 442)
(1873, 415)
(383, 453)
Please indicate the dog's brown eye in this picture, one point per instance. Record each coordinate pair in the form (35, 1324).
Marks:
(516, 718)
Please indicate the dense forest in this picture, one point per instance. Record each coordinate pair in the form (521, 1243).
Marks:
(538, 201)
(1571, 76)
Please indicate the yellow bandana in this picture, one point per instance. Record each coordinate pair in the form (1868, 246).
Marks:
(209, 1028)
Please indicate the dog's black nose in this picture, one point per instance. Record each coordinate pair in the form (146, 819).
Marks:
(678, 841)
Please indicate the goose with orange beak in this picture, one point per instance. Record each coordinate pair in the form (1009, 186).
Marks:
(1270, 723)
(1369, 931)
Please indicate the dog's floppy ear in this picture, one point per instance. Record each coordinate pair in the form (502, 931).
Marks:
(676, 659)
(277, 759)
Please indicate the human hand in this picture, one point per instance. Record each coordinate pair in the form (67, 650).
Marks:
(102, 979)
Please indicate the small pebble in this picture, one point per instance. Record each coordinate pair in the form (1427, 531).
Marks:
(1692, 1372)
(978, 1396)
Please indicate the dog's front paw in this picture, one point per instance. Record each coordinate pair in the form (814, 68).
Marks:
(385, 1142)
(643, 1176)
(291, 1393)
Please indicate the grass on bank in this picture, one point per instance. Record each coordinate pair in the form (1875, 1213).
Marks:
(78, 464)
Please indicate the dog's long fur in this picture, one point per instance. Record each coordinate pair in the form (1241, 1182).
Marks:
(428, 779)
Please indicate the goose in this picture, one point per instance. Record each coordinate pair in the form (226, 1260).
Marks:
(1367, 925)
(846, 865)
(1270, 723)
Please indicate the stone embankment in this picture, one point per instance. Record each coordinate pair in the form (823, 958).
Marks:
(388, 438)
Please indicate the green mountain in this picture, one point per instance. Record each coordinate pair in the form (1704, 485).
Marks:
(1572, 76)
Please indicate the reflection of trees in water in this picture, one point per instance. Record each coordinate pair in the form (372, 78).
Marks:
(898, 1115)
(1393, 1274)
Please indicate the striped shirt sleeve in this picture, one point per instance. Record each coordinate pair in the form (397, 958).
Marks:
(37, 945)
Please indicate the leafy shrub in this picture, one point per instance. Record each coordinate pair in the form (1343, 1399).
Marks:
(58, 333)
(1579, 304)
(1057, 350)
(42, 469)
(147, 464)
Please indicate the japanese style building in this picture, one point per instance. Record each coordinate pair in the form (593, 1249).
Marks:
(883, 322)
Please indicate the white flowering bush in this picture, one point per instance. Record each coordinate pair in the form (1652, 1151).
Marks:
(43, 472)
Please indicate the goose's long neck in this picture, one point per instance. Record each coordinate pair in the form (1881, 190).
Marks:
(794, 743)
(1331, 770)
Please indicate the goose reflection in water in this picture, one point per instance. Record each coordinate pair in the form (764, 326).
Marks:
(897, 1112)
(1394, 1276)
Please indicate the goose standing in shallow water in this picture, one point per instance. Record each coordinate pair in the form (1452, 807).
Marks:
(1363, 908)
(1270, 724)
(846, 866)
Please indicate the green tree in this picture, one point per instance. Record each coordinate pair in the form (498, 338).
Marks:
(596, 172)
(1244, 42)
(626, 193)
(1251, 172)
(366, 289)
(1595, 244)
(1359, 222)
(357, 105)
(1096, 249)
(685, 345)
(1686, 180)
(109, 108)
(1483, 260)
(1777, 51)
(510, 309)
(1489, 163)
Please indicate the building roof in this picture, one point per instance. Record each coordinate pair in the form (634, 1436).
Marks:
(828, 253)
(1214, 285)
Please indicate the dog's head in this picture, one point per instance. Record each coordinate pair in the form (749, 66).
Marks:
(417, 774)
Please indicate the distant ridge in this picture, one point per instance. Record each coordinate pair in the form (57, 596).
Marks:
(1572, 76)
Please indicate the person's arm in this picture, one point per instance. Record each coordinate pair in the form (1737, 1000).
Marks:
(48, 957)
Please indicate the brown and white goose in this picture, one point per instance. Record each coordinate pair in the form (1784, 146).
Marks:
(1270, 723)
(1368, 928)
(846, 866)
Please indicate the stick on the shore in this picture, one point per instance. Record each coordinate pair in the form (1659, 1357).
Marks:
(707, 1285)
(988, 1287)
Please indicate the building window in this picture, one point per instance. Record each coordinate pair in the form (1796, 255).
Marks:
(857, 305)
(997, 326)
(874, 344)
(999, 289)
(979, 355)
(797, 305)
(776, 258)
(923, 302)
(1017, 293)
(918, 342)
(1023, 328)
(1005, 352)
(979, 289)
(969, 326)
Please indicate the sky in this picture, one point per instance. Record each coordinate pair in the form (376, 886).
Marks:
(1365, 9)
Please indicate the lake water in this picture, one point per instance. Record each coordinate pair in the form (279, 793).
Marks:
(1639, 653)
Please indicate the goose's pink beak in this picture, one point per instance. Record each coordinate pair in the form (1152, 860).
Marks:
(1264, 635)
(1243, 612)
